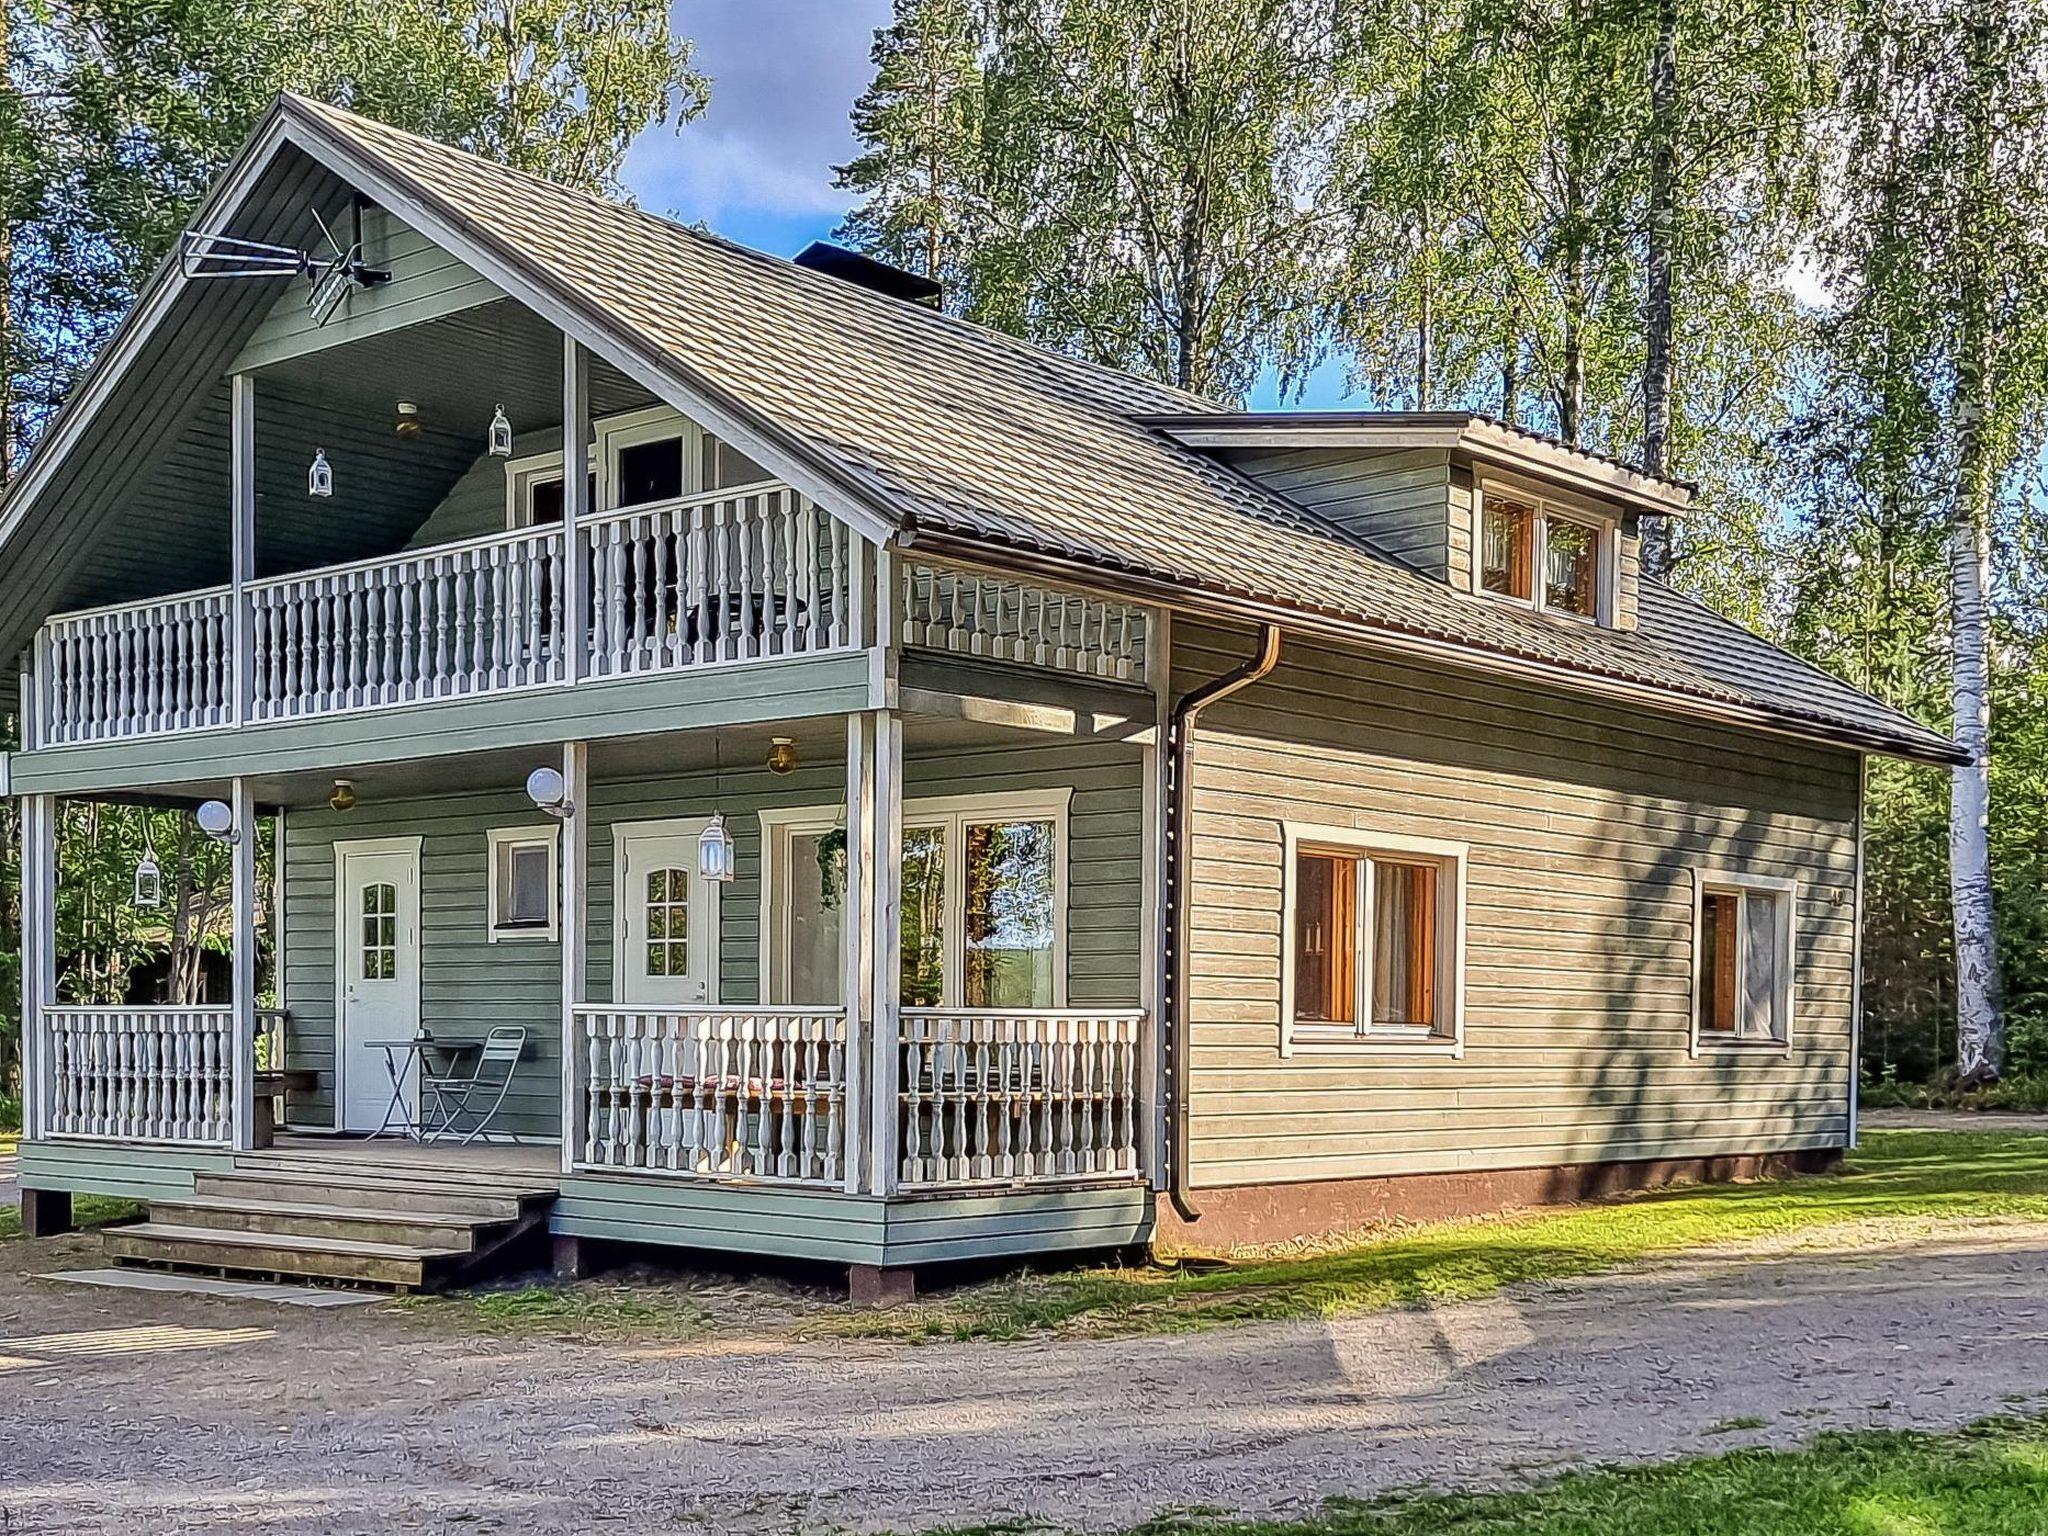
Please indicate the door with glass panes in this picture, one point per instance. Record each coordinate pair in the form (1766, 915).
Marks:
(668, 916)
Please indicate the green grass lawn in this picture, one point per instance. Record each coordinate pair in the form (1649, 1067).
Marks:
(1990, 1480)
(1893, 1175)
(86, 1211)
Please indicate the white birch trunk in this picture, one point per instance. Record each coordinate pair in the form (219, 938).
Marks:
(1980, 1024)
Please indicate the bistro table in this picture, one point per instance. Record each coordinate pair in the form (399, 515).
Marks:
(401, 1059)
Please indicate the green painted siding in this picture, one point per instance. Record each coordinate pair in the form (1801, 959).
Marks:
(1584, 825)
(115, 1168)
(469, 985)
(426, 284)
(475, 507)
(1399, 500)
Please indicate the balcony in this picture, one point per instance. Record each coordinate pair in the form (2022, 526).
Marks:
(730, 578)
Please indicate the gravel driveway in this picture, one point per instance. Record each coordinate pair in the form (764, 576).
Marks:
(234, 1416)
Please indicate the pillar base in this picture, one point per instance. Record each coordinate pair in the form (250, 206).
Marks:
(871, 1286)
(45, 1212)
(567, 1257)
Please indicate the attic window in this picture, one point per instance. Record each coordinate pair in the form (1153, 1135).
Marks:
(1555, 559)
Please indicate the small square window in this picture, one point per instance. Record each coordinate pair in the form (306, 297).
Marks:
(1743, 986)
(1507, 547)
(1374, 943)
(1534, 552)
(1569, 555)
(523, 881)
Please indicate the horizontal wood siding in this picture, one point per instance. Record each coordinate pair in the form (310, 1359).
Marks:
(475, 506)
(469, 984)
(1584, 825)
(97, 1168)
(426, 284)
(1399, 499)
(851, 1229)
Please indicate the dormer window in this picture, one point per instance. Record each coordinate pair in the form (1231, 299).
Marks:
(1557, 559)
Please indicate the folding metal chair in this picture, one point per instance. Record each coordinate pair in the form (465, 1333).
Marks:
(450, 1096)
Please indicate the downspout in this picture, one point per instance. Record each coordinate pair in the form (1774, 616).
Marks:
(1180, 829)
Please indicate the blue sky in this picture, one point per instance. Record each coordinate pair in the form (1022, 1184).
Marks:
(757, 166)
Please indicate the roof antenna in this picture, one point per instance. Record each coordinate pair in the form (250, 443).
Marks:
(205, 255)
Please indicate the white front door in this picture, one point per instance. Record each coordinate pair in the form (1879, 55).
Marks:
(667, 916)
(377, 963)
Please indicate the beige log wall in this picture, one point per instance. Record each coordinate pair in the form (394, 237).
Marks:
(1584, 824)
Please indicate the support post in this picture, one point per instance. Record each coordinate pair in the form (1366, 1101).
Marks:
(45, 1212)
(856, 939)
(883, 914)
(1152, 978)
(242, 545)
(575, 919)
(575, 507)
(243, 959)
(38, 956)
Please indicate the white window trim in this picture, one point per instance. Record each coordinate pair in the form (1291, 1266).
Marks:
(1705, 1042)
(498, 838)
(609, 437)
(1549, 503)
(1311, 1038)
(953, 812)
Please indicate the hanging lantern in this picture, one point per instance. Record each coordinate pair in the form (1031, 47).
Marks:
(501, 434)
(715, 851)
(320, 478)
(149, 882)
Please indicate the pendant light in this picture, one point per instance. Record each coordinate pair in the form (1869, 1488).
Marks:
(407, 427)
(501, 434)
(149, 880)
(344, 797)
(715, 858)
(320, 478)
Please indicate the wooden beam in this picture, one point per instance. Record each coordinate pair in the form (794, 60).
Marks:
(575, 503)
(857, 938)
(242, 541)
(883, 913)
(575, 921)
(39, 955)
(243, 961)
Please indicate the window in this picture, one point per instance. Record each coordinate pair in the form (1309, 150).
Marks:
(523, 883)
(1742, 983)
(640, 457)
(668, 922)
(1373, 935)
(380, 933)
(1534, 551)
(983, 903)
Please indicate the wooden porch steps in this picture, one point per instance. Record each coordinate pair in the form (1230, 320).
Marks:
(409, 1229)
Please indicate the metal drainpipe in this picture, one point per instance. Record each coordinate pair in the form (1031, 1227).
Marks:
(1180, 822)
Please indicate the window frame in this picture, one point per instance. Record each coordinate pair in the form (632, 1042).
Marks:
(1314, 1037)
(1546, 504)
(498, 842)
(610, 436)
(954, 813)
(1708, 880)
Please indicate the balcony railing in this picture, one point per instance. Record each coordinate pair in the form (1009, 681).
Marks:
(139, 1074)
(732, 577)
(1002, 619)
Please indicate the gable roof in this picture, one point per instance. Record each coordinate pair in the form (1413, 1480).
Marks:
(968, 441)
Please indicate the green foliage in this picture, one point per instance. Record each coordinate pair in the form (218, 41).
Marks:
(1914, 1175)
(1988, 1480)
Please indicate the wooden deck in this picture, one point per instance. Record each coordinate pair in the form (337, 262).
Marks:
(530, 1166)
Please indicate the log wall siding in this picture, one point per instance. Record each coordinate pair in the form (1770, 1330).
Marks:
(1395, 499)
(1584, 825)
(468, 984)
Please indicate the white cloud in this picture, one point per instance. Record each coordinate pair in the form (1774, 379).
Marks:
(784, 76)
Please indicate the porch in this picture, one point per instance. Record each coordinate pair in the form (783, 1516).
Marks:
(925, 986)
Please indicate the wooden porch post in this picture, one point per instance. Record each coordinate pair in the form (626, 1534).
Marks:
(243, 958)
(242, 545)
(883, 916)
(856, 939)
(38, 956)
(575, 865)
(575, 506)
(1152, 978)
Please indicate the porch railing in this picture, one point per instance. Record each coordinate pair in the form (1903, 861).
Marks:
(713, 1093)
(989, 1095)
(477, 617)
(703, 580)
(139, 1074)
(728, 577)
(139, 669)
(1003, 619)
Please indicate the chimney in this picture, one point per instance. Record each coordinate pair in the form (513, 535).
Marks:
(865, 272)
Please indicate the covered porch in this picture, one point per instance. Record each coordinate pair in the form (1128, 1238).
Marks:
(927, 971)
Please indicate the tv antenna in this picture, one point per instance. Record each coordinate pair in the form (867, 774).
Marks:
(332, 278)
